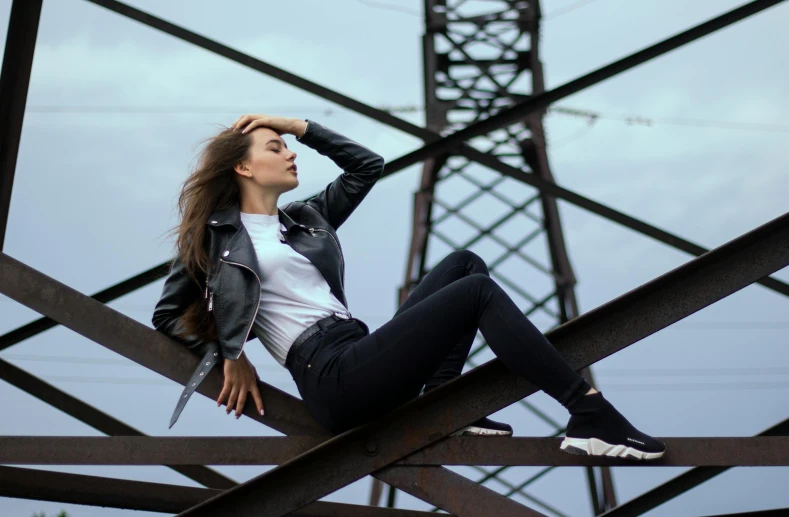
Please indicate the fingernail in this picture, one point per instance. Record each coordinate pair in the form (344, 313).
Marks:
(261, 412)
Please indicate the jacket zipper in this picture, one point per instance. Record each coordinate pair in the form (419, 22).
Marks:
(342, 260)
(252, 319)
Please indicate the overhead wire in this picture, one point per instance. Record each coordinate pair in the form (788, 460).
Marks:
(590, 115)
(566, 9)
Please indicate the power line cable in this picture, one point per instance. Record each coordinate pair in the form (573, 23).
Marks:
(566, 9)
(589, 115)
(390, 7)
(640, 120)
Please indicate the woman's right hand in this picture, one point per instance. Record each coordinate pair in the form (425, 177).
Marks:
(287, 125)
(240, 379)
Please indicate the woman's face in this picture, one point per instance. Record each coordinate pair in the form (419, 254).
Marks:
(269, 161)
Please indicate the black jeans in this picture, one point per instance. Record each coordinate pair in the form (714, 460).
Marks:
(348, 376)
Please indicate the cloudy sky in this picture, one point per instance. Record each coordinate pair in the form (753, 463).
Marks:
(116, 111)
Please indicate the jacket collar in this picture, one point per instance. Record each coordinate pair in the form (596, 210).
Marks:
(232, 216)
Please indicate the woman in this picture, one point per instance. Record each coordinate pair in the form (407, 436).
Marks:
(245, 268)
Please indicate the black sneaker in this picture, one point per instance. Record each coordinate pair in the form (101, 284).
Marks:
(485, 427)
(596, 428)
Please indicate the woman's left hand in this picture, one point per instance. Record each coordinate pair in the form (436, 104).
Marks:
(292, 126)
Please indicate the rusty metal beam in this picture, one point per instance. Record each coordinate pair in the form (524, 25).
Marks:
(778, 512)
(681, 484)
(42, 485)
(760, 451)
(104, 296)
(98, 420)
(20, 45)
(681, 452)
(447, 490)
(488, 388)
(406, 478)
(137, 342)
(159, 353)
(584, 340)
(674, 295)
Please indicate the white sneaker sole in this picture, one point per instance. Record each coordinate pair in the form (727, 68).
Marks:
(471, 430)
(595, 447)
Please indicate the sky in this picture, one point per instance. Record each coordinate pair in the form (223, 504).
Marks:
(116, 111)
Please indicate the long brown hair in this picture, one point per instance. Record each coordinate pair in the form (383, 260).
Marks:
(211, 186)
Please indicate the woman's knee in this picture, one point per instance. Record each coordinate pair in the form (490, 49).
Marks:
(474, 263)
(481, 282)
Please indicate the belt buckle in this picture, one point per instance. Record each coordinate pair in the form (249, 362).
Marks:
(342, 316)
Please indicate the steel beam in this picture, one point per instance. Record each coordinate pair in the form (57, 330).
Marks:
(584, 340)
(98, 420)
(778, 512)
(486, 389)
(631, 317)
(107, 295)
(159, 353)
(42, 485)
(760, 451)
(20, 45)
(404, 477)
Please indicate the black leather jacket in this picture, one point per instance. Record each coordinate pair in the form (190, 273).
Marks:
(232, 286)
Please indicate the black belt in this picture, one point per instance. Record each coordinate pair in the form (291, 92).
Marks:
(212, 356)
(311, 331)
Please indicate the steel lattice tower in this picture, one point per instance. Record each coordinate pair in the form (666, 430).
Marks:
(481, 57)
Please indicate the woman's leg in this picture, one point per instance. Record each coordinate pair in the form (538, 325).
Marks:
(453, 267)
(389, 366)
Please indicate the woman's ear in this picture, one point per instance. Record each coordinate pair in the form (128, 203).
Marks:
(241, 169)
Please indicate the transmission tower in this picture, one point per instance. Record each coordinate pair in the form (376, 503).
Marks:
(481, 57)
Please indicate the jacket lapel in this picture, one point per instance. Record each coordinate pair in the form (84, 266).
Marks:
(239, 249)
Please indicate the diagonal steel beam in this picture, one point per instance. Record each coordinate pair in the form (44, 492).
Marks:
(404, 478)
(675, 295)
(760, 451)
(107, 295)
(629, 318)
(681, 484)
(463, 148)
(20, 45)
(778, 512)
(486, 389)
(61, 487)
(159, 353)
(99, 420)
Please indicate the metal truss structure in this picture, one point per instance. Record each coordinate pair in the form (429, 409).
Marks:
(487, 123)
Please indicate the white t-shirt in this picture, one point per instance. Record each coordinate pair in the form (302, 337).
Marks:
(294, 294)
